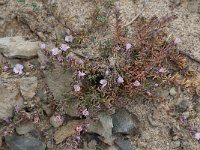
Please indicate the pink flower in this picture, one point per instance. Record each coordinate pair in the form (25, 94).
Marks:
(64, 47)
(81, 74)
(69, 38)
(136, 83)
(107, 72)
(60, 59)
(162, 70)
(18, 69)
(128, 46)
(31, 66)
(57, 118)
(85, 112)
(120, 80)
(177, 41)
(55, 51)
(197, 136)
(5, 68)
(42, 45)
(80, 61)
(68, 31)
(103, 82)
(79, 129)
(77, 88)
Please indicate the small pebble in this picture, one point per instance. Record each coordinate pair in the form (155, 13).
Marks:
(172, 91)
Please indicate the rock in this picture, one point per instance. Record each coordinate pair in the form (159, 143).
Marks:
(123, 144)
(28, 87)
(172, 91)
(18, 47)
(124, 122)
(66, 131)
(102, 127)
(153, 122)
(72, 108)
(55, 122)
(9, 98)
(47, 110)
(24, 128)
(59, 81)
(24, 143)
(175, 144)
(182, 106)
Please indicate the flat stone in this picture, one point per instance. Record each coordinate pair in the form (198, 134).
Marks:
(24, 143)
(175, 144)
(28, 87)
(66, 131)
(18, 47)
(102, 127)
(9, 98)
(58, 79)
(123, 144)
(24, 128)
(125, 122)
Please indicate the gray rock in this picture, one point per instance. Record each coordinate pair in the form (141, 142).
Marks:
(59, 81)
(72, 108)
(9, 98)
(102, 127)
(24, 143)
(123, 144)
(24, 128)
(47, 109)
(182, 106)
(17, 47)
(28, 87)
(172, 91)
(124, 122)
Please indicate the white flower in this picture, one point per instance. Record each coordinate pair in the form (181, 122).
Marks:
(18, 69)
(128, 46)
(55, 51)
(162, 70)
(103, 82)
(120, 80)
(136, 83)
(69, 38)
(197, 136)
(177, 41)
(81, 74)
(64, 47)
(77, 88)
